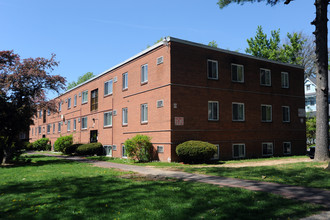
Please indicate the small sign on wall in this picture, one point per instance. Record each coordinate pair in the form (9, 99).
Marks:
(179, 121)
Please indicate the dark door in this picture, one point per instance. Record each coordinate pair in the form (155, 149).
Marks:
(93, 137)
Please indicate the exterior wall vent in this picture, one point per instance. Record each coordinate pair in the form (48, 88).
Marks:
(114, 112)
(160, 103)
(160, 60)
(115, 79)
(78, 120)
(66, 100)
(79, 94)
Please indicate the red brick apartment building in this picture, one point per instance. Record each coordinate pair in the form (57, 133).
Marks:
(178, 90)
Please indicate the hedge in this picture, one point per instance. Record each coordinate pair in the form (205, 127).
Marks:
(90, 149)
(63, 142)
(195, 151)
(71, 149)
(139, 148)
(41, 144)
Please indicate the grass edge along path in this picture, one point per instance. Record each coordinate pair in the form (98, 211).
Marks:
(72, 190)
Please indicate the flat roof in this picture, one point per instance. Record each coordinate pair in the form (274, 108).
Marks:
(173, 39)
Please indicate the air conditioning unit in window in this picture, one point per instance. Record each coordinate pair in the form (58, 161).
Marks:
(160, 103)
(114, 112)
(115, 79)
(160, 60)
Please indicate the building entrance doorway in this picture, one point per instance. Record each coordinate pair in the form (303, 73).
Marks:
(93, 136)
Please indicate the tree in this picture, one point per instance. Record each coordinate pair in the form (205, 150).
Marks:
(80, 80)
(23, 87)
(213, 44)
(321, 53)
(261, 46)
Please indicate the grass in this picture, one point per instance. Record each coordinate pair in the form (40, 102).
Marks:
(310, 174)
(50, 188)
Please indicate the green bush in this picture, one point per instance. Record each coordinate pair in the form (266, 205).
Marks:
(139, 148)
(71, 149)
(195, 151)
(41, 144)
(63, 142)
(90, 149)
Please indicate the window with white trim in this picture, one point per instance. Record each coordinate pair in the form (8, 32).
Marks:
(286, 113)
(48, 128)
(84, 97)
(84, 123)
(266, 113)
(267, 149)
(125, 82)
(74, 124)
(68, 125)
(60, 106)
(40, 113)
(237, 73)
(144, 73)
(59, 127)
(265, 77)
(212, 69)
(108, 87)
(160, 149)
(285, 80)
(125, 116)
(216, 156)
(238, 111)
(39, 129)
(69, 103)
(213, 111)
(286, 147)
(238, 150)
(53, 128)
(75, 101)
(144, 113)
(124, 153)
(107, 119)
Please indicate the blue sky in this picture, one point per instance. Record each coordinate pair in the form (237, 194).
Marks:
(92, 36)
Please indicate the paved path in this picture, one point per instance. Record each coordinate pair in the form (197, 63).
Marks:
(304, 194)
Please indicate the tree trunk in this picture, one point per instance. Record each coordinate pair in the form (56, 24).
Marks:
(321, 40)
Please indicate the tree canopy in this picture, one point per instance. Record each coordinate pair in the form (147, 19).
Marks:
(80, 80)
(213, 44)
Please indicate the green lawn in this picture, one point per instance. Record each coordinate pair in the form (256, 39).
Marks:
(50, 188)
(300, 174)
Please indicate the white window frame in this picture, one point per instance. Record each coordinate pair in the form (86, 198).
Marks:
(267, 72)
(105, 116)
(284, 143)
(83, 123)
(124, 116)
(236, 73)
(286, 108)
(48, 128)
(125, 81)
(271, 113)
(75, 101)
(233, 116)
(54, 128)
(216, 70)
(109, 83)
(74, 124)
(308, 87)
(123, 149)
(268, 144)
(144, 73)
(239, 150)
(60, 106)
(144, 113)
(84, 97)
(68, 125)
(39, 129)
(160, 149)
(59, 127)
(210, 113)
(48, 112)
(285, 80)
(216, 156)
(69, 103)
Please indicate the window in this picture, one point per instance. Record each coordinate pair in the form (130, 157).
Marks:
(160, 103)
(94, 99)
(60, 106)
(286, 113)
(144, 113)
(265, 77)
(108, 86)
(54, 128)
(216, 156)
(59, 127)
(32, 132)
(238, 112)
(84, 97)
(40, 113)
(84, 123)
(160, 149)
(69, 103)
(74, 124)
(48, 112)
(114, 147)
(68, 125)
(267, 149)
(285, 79)
(39, 129)
(144, 73)
(238, 150)
(35, 131)
(124, 153)
(213, 110)
(48, 129)
(75, 101)
(266, 113)
(22, 135)
(125, 116)
(107, 119)
(308, 87)
(44, 117)
(237, 73)
(286, 147)
(212, 69)
(125, 82)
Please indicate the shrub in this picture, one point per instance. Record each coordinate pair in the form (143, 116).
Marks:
(90, 149)
(63, 142)
(139, 148)
(41, 144)
(71, 149)
(195, 151)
